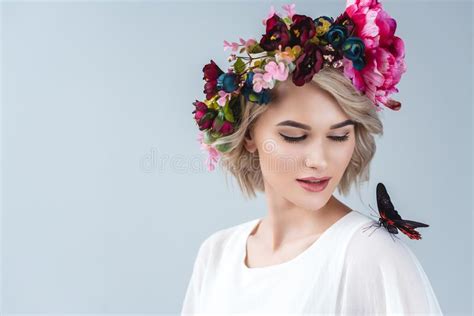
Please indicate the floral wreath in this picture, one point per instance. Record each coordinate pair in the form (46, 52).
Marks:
(361, 41)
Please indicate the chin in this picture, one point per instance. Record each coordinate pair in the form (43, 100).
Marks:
(309, 200)
(312, 203)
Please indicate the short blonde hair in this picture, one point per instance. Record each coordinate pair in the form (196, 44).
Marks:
(245, 167)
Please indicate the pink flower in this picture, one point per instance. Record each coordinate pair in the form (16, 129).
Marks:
(384, 52)
(277, 71)
(270, 14)
(265, 79)
(213, 154)
(290, 9)
(223, 97)
(261, 80)
(235, 46)
(363, 13)
(250, 42)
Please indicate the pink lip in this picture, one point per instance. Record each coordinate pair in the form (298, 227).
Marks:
(314, 178)
(314, 187)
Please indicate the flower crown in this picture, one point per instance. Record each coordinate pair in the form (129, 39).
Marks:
(360, 42)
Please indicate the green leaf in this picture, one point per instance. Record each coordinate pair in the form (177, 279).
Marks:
(255, 49)
(253, 97)
(215, 135)
(206, 117)
(233, 100)
(208, 137)
(223, 147)
(219, 120)
(229, 116)
(220, 115)
(239, 65)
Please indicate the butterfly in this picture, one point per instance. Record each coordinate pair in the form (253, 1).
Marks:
(391, 220)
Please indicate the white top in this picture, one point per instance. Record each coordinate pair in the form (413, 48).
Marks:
(345, 271)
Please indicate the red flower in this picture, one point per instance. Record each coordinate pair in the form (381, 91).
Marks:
(226, 128)
(307, 64)
(301, 30)
(276, 34)
(222, 126)
(203, 115)
(211, 73)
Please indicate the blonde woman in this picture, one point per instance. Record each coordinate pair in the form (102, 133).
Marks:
(296, 120)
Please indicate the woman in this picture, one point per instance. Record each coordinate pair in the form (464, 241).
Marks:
(297, 138)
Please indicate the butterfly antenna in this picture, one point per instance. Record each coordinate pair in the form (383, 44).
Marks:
(374, 230)
(374, 224)
(365, 228)
(374, 211)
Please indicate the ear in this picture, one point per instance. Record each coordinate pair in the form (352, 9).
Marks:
(249, 142)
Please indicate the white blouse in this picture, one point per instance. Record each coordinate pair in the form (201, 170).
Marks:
(345, 271)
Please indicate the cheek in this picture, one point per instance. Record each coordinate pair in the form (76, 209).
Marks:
(345, 149)
(278, 158)
(341, 154)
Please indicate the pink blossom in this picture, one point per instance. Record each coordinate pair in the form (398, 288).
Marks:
(384, 52)
(223, 97)
(265, 79)
(270, 14)
(277, 71)
(290, 9)
(261, 80)
(364, 14)
(235, 46)
(213, 153)
(250, 42)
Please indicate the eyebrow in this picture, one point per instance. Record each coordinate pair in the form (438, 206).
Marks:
(307, 127)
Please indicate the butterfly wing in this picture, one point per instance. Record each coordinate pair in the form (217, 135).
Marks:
(385, 206)
(412, 224)
(408, 228)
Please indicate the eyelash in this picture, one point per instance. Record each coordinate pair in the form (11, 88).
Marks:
(297, 139)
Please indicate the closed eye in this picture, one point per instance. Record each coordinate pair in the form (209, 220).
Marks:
(340, 138)
(293, 139)
(301, 138)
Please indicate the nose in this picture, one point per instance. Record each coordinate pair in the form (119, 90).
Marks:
(316, 159)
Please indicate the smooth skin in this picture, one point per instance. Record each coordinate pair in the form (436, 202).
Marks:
(296, 218)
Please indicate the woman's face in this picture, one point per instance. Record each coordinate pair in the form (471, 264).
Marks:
(287, 153)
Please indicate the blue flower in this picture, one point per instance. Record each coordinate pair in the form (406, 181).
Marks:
(354, 49)
(229, 82)
(336, 36)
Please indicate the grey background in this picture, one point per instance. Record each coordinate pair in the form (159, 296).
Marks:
(105, 199)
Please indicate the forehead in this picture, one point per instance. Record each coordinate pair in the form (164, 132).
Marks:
(308, 104)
